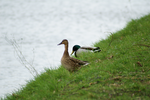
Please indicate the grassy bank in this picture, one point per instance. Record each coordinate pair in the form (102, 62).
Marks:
(120, 71)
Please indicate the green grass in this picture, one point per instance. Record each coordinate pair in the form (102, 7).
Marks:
(120, 71)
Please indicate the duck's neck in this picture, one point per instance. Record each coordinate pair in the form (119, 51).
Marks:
(66, 50)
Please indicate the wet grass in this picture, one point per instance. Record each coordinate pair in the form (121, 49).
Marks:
(120, 71)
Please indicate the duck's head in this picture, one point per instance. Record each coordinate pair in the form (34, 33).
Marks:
(65, 42)
(75, 48)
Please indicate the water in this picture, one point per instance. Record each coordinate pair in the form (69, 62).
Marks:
(39, 25)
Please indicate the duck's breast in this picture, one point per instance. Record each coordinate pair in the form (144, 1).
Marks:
(66, 63)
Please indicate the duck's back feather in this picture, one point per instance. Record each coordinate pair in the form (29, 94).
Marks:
(79, 62)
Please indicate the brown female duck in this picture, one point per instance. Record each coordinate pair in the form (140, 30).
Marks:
(68, 62)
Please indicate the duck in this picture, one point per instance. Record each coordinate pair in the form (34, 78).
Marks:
(77, 50)
(70, 63)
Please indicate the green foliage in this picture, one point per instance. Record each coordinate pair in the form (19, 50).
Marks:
(120, 71)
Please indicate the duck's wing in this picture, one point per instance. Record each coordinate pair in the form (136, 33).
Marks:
(87, 48)
(78, 62)
(90, 48)
(94, 49)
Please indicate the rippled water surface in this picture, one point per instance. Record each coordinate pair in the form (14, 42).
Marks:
(37, 26)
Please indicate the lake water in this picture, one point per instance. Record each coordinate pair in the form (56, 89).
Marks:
(37, 26)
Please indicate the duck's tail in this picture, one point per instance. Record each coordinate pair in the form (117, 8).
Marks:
(86, 63)
(96, 49)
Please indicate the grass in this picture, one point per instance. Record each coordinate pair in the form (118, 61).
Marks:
(120, 71)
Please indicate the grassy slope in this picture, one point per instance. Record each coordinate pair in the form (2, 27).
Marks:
(120, 71)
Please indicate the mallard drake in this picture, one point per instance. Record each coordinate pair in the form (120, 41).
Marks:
(68, 62)
(78, 50)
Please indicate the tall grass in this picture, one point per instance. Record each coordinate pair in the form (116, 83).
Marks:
(21, 57)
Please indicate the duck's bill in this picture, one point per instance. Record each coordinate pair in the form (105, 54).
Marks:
(59, 43)
(72, 52)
